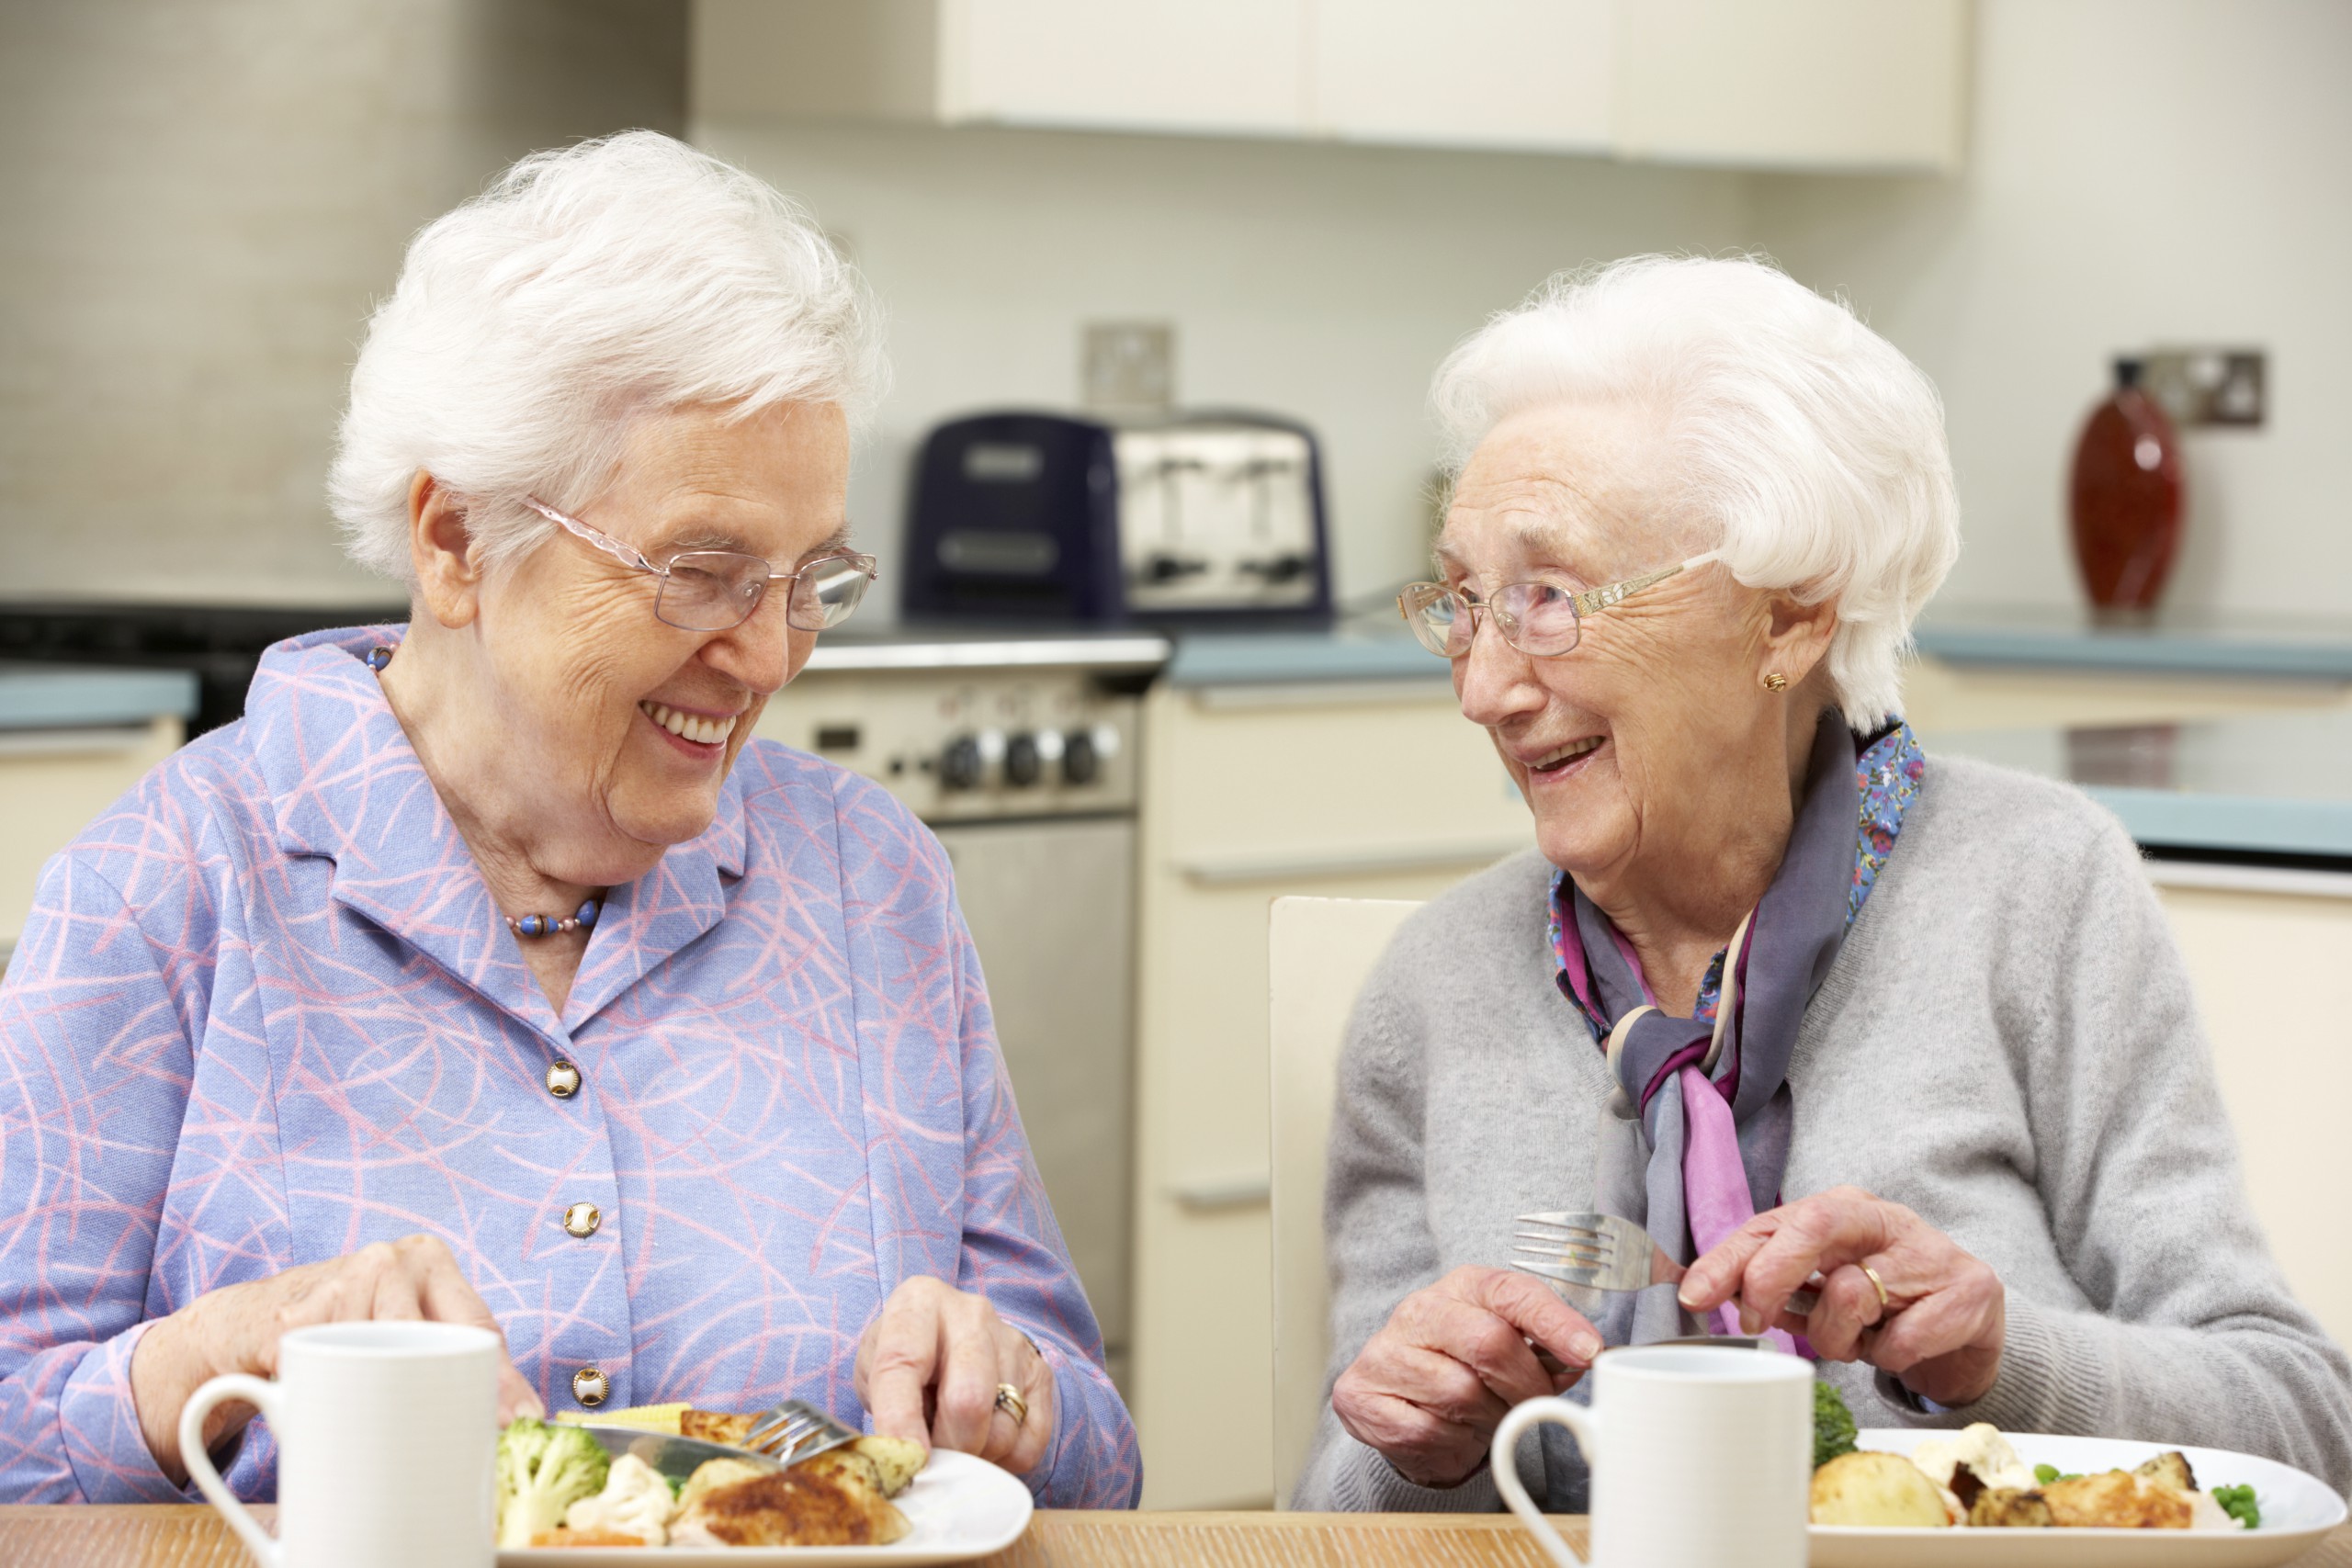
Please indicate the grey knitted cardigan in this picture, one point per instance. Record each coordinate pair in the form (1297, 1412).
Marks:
(2006, 1044)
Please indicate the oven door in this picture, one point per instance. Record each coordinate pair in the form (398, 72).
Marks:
(1051, 905)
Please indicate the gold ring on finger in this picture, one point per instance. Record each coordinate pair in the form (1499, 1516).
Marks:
(1879, 1285)
(1009, 1400)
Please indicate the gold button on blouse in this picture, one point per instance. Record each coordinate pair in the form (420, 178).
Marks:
(589, 1386)
(582, 1219)
(563, 1080)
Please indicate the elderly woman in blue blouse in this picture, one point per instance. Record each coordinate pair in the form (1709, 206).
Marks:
(487, 970)
(1810, 1007)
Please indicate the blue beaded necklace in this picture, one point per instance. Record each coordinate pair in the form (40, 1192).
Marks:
(581, 920)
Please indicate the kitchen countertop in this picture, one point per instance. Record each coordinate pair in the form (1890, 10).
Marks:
(2173, 642)
(2268, 789)
(66, 696)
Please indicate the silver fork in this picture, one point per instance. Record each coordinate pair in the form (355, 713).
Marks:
(1603, 1252)
(796, 1431)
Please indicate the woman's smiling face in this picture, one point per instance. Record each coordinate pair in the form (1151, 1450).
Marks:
(630, 723)
(1630, 746)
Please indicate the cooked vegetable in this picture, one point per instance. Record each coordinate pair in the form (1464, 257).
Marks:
(542, 1471)
(636, 1502)
(2046, 1473)
(1833, 1424)
(896, 1460)
(2239, 1504)
(1881, 1490)
(2169, 1469)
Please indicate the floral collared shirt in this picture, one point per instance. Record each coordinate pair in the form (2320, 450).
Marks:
(265, 1013)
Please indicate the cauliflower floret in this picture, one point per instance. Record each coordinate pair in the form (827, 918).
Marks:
(634, 1501)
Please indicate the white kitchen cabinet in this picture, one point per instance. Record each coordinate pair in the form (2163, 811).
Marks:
(1537, 75)
(1355, 790)
(1795, 83)
(52, 781)
(2256, 940)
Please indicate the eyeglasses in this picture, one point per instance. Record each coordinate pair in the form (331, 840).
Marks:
(712, 590)
(1541, 619)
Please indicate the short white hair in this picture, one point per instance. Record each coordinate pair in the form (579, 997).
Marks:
(586, 286)
(1807, 448)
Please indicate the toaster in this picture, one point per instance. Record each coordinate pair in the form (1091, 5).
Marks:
(1209, 518)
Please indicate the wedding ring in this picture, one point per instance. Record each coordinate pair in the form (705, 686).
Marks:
(1879, 1285)
(1009, 1400)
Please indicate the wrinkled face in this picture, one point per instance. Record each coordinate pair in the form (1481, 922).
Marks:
(1620, 745)
(635, 722)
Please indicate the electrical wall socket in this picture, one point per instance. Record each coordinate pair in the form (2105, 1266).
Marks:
(2200, 387)
(1129, 367)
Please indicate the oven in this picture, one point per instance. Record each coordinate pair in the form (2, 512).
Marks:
(1021, 754)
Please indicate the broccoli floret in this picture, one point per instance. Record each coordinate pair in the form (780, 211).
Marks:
(543, 1469)
(1833, 1424)
(2239, 1504)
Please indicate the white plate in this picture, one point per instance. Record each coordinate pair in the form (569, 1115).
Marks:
(961, 1508)
(2297, 1511)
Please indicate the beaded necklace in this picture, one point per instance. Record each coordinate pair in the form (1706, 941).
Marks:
(581, 920)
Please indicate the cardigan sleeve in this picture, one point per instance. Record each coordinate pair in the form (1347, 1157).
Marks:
(94, 1068)
(2195, 1330)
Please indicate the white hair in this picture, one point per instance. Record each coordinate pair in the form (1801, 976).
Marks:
(584, 287)
(1807, 448)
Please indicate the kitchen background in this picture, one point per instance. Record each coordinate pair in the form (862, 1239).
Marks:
(1317, 197)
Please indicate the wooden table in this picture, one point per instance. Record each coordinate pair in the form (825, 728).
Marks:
(195, 1537)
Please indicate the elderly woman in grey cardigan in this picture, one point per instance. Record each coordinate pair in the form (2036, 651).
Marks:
(1812, 1007)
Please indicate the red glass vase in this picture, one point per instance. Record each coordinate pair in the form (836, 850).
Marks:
(2125, 497)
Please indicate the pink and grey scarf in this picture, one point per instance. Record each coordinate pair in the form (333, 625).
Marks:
(1696, 1138)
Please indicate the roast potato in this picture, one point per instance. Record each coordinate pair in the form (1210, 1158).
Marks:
(1878, 1490)
(2169, 1469)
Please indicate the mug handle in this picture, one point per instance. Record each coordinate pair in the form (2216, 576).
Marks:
(253, 1390)
(1532, 1412)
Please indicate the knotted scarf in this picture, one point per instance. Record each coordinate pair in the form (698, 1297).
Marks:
(1695, 1139)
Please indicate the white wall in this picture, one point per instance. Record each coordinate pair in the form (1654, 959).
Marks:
(1315, 280)
(199, 200)
(2141, 171)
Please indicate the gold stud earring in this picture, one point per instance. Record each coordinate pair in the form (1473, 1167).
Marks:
(1776, 681)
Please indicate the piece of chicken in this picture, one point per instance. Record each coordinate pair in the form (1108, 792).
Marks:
(809, 1505)
(2117, 1499)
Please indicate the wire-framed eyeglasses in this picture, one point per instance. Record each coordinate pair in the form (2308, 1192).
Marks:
(712, 591)
(1542, 618)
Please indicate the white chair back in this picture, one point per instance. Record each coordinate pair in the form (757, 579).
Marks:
(1320, 953)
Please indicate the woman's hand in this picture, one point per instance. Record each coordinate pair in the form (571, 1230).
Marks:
(1429, 1389)
(1940, 1329)
(235, 1329)
(929, 1366)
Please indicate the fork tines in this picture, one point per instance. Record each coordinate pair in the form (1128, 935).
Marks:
(796, 1431)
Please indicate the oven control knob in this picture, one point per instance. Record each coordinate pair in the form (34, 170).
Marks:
(1023, 765)
(1081, 763)
(959, 765)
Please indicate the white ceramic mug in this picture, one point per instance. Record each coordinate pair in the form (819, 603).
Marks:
(386, 1447)
(1700, 1455)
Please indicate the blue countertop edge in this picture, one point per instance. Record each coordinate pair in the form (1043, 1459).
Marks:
(65, 697)
(2153, 652)
(2159, 818)
(1243, 659)
(1217, 659)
